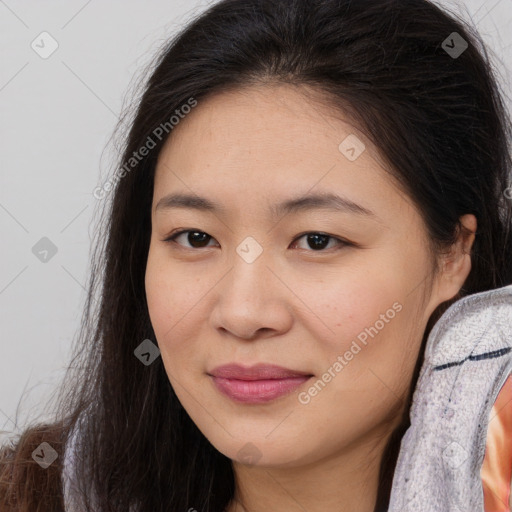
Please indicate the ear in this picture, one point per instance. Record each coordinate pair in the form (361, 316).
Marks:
(456, 264)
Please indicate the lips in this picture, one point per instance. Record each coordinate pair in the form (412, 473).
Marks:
(256, 384)
(257, 372)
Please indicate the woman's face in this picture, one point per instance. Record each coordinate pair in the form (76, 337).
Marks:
(248, 285)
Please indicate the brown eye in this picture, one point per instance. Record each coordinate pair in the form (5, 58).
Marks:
(196, 239)
(319, 241)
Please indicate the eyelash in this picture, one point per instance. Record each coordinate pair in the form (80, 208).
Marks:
(342, 243)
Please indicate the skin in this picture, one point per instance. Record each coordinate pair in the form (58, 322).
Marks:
(295, 306)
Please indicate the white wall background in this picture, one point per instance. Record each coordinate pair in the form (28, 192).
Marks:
(56, 116)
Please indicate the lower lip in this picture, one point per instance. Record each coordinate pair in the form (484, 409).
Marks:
(257, 391)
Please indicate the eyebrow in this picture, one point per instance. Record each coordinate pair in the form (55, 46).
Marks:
(324, 201)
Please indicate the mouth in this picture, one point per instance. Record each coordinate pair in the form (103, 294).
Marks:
(256, 384)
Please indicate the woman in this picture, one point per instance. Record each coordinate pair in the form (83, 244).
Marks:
(305, 189)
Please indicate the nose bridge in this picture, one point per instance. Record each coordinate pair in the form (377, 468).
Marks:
(250, 272)
(249, 297)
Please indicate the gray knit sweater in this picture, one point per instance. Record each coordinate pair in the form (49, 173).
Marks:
(468, 357)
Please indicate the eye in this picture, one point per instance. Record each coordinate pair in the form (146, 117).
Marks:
(196, 238)
(318, 241)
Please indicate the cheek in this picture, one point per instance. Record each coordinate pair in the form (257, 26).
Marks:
(166, 305)
(349, 306)
(370, 331)
(167, 290)
(176, 309)
(157, 296)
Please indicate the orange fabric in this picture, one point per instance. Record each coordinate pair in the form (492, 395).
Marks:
(496, 471)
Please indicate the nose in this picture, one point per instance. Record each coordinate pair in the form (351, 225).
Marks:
(252, 301)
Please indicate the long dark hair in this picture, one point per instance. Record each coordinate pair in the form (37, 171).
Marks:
(438, 119)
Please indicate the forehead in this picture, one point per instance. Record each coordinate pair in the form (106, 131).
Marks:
(255, 120)
(274, 142)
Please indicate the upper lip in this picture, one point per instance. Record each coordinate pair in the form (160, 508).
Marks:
(256, 372)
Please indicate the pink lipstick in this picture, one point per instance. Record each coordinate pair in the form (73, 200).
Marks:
(256, 384)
